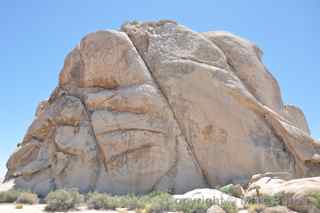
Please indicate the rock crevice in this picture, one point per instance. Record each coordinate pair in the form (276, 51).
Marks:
(157, 106)
(189, 145)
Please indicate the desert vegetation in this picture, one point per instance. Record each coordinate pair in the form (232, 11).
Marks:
(156, 202)
(9, 196)
(63, 200)
(314, 198)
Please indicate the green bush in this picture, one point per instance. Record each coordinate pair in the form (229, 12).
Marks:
(155, 202)
(233, 190)
(131, 202)
(314, 198)
(19, 206)
(62, 200)
(270, 201)
(267, 200)
(9, 196)
(151, 202)
(102, 201)
(228, 189)
(27, 198)
(193, 206)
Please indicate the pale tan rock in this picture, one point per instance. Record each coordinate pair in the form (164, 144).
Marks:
(295, 192)
(137, 159)
(41, 107)
(210, 194)
(161, 107)
(136, 99)
(64, 122)
(304, 148)
(274, 175)
(278, 209)
(204, 95)
(65, 110)
(77, 166)
(41, 182)
(104, 59)
(188, 175)
(75, 140)
(137, 136)
(23, 156)
(296, 116)
(72, 69)
(245, 60)
(215, 209)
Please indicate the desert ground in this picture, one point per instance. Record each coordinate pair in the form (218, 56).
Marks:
(10, 208)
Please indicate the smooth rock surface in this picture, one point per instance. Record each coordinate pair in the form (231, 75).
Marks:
(295, 192)
(157, 106)
(278, 209)
(296, 116)
(213, 194)
(215, 209)
(244, 59)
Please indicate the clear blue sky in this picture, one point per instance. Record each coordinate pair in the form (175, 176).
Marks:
(35, 36)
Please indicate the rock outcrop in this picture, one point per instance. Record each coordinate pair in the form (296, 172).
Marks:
(157, 106)
(294, 193)
(210, 194)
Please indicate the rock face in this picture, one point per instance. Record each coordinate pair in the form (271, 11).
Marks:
(157, 106)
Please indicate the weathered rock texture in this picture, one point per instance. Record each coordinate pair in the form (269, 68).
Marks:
(294, 193)
(157, 106)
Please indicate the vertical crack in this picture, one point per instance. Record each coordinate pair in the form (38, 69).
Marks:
(99, 155)
(172, 171)
(98, 150)
(189, 144)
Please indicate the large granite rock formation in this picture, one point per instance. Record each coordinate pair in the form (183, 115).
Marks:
(157, 106)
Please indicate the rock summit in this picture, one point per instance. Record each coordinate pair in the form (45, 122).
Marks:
(157, 106)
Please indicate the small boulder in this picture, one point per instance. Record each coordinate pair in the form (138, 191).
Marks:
(213, 194)
(215, 209)
(278, 209)
(296, 193)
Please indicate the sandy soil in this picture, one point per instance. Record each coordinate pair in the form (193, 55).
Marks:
(6, 186)
(39, 208)
(11, 208)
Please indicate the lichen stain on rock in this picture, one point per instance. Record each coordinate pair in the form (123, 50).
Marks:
(159, 106)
